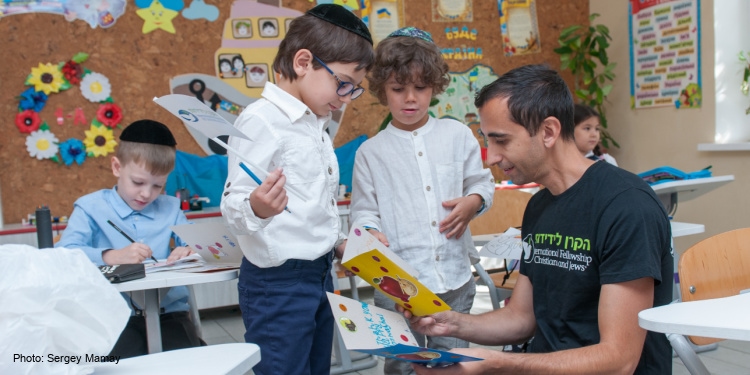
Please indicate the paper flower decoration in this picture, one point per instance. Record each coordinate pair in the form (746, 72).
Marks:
(33, 100)
(99, 141)
(28, 121)
(95, 87)
(41, 144)
(109, 114)
(73, 150)
(72, 72)
(46, 78)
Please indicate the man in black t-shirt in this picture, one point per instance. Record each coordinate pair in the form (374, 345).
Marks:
(597, 247)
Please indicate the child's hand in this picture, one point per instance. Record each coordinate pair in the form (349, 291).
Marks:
(134, 253)
(380, 236)
(179, 252)
(462, 211)
(269, 199)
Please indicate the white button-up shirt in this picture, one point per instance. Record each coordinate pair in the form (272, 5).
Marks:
(284, 133)
(401, 180)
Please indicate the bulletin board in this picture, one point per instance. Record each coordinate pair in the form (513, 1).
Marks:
(139, 67)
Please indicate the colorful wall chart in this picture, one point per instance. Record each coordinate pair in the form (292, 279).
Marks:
(457, 102)
(665, 66)
(519, 26)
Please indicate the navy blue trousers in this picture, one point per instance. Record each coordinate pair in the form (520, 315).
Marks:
(286, 313)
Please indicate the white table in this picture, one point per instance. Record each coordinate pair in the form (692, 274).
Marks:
(724, 318)
(236, 358)
(166, 279)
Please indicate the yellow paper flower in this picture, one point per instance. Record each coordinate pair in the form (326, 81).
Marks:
(46, 78)
(99, 141)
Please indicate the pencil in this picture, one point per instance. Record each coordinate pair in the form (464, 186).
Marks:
(126, 236)
(256, 179)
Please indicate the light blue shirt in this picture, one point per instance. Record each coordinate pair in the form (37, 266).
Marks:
(89, 231)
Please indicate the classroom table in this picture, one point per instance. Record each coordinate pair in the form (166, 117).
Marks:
(166, 279)
(237, 358)
(724, 318)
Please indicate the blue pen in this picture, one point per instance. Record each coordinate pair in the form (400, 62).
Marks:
(256, 179)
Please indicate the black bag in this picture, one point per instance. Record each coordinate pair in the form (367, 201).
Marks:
(123, 272)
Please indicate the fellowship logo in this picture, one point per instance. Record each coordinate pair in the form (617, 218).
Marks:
(187, 116)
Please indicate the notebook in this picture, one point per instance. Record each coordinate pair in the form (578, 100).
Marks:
(214, 243)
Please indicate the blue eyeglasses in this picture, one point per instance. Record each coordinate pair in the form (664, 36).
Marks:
(345, 88)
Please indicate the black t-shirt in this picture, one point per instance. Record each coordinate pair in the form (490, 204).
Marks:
(609, 227)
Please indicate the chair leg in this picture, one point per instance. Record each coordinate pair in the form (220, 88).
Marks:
(194, 313)
(687, 355)
(494, 298)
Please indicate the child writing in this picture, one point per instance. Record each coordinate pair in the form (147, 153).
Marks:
(420, 181)
(588, 134)
(136, 205)
(288, 255)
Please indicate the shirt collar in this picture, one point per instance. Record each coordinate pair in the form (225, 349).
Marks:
(123, 210)
(287, 103)
(426, 128)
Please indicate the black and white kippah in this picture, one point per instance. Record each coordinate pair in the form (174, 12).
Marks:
(148, 131)
(341, 17)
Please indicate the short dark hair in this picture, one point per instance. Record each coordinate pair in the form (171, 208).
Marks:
(328, 42)
(408, 58)
(534, 93)
(583, 113)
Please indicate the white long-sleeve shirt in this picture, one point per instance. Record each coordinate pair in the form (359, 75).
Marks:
(401, 179)
(285, 133)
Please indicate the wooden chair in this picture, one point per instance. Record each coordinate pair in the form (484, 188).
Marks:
(506, 211)
(713, 268)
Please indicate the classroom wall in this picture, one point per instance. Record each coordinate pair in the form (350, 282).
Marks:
(666, 136)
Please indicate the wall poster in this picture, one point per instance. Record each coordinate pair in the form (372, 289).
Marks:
(665, 66)
(519, 27)
(452, 11)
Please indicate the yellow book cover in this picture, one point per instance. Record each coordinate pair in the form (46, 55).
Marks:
(372, 261)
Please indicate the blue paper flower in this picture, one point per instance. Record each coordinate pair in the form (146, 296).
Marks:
(73, 150)
(33, 100)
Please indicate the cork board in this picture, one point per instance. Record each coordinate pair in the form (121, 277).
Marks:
(139, 67)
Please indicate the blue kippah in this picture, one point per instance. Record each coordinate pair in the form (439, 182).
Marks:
(412, 32)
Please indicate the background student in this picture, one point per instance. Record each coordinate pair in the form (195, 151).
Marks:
(420, 181)
(588, 134)
(103, 224)
(288, 255)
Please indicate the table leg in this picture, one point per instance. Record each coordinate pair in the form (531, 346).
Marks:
(153, 325)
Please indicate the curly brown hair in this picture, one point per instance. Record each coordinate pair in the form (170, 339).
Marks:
(409, 59)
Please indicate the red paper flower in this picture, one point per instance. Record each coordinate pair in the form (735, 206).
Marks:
(109, 114)
(28, 121)
(72, 72)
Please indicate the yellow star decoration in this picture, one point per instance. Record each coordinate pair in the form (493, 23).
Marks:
(46, 78)
(99, 141)
(156, 16)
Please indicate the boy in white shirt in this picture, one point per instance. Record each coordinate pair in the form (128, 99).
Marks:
(420, 181)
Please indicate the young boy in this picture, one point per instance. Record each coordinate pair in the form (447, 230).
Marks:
(137, 206)
(420, 181)
(287, 265)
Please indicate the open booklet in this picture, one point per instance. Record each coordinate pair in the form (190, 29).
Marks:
(508, 245)
(373, 330)
(191, 261)
(372, 261)
(214, 243)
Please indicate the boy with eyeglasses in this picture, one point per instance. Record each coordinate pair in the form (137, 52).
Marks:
(288, 255)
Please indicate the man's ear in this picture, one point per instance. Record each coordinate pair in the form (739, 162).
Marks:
(303, 62)
(550, 129)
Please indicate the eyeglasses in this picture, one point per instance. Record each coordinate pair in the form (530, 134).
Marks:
(345, 88)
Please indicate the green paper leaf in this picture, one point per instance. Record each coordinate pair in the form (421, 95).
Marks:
(66, 85)
(44, 126)
(80, 57)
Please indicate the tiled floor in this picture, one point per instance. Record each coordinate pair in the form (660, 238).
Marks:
(225, 326)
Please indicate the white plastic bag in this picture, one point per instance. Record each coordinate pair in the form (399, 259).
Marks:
(55, 303)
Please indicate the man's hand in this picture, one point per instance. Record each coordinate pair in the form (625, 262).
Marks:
(269, 199)
(132, 254)
(443, 323)
(462, 211)
(179, 253)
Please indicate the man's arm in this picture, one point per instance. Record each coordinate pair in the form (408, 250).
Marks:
(618, 352)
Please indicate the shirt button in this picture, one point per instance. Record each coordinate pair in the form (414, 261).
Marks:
(428, 188)
(226, 193)
(415, 133)
(333, 202)
(307, 112)
(229, 184)
(420, 153)
(437, 257)
(434, 223)
(330, 170)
